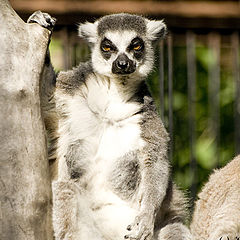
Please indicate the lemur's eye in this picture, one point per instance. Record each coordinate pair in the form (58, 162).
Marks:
(137, 47)
(106, 48)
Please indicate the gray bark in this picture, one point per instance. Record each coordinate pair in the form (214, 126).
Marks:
(25, 191)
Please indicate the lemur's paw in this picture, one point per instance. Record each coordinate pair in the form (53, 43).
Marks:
(224, 238)
(141, 229)
(43, 19)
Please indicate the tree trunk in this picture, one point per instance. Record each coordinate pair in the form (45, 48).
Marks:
(25, 190)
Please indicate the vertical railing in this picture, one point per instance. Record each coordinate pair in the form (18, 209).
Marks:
(214, 45)
(170, 94)
(66, 48)
(191, 78)
(236, 75)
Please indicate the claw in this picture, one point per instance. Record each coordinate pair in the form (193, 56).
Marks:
(129, 227)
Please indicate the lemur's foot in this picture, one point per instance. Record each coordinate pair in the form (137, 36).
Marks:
(43, 19)
(141, 229)
(224, 238)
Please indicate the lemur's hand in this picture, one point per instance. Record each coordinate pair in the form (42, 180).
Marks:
(43, 19)
(142, 228)
(225, 238)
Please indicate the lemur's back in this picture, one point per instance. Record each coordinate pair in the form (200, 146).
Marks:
(217, 211)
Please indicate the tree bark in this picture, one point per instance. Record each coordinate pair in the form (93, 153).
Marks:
(25, 190)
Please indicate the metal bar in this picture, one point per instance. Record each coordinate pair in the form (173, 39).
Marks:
(236, 75)
(170, 94)
(67, 54)
(161, 79)
(73, 50)
(214, 44)
(191, 73)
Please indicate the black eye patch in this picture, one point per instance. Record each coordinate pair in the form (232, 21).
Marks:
(137, 47)
(107, 48)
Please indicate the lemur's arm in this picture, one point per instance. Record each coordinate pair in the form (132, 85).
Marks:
(154, 173)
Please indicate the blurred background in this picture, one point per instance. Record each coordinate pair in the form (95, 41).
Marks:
(196, 82)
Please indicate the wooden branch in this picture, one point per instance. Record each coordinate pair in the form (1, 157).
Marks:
(193, 9)
(25, 190)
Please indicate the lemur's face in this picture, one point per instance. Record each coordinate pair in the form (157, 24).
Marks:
(122, 52)
(122, 44)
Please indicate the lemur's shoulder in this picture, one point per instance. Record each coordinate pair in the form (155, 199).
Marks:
(70, 80)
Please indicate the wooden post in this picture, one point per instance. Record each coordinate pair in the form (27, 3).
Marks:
(25, 191)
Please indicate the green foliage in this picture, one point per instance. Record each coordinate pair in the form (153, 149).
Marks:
(56, 52)
(208, 151)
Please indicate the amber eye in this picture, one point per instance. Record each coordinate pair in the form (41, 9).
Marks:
(137, 47)
(106, 49)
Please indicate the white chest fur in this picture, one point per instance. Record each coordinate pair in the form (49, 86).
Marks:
(102, 119)
(108, 127)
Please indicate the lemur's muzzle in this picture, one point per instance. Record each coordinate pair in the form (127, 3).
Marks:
(123, 65)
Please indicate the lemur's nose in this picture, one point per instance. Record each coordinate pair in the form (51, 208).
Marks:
(123, 65)
(122, 62)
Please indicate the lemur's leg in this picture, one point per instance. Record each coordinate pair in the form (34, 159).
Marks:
(175, 213)
(174, 231)
(72, 217)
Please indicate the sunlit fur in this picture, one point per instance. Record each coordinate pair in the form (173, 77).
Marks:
(217, 211)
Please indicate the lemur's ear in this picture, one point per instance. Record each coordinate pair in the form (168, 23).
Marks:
(155, 29)
(88, 31)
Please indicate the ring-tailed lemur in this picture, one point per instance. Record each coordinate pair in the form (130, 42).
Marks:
(217, 210)
(113, 179)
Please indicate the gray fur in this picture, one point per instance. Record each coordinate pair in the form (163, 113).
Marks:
(125, 177)
(76, 168)
(71, 81)
(122, 21)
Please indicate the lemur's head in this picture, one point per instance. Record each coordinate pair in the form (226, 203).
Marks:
(122, 44)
